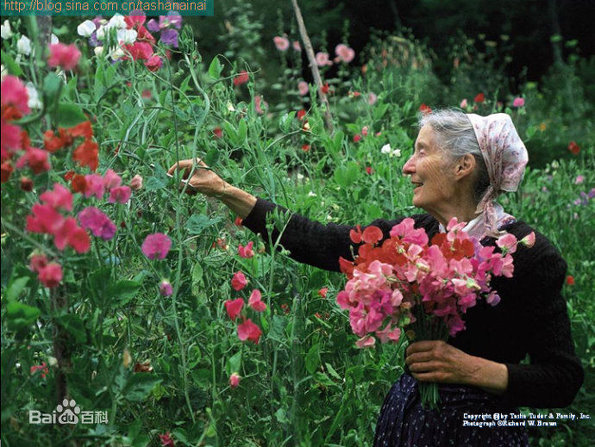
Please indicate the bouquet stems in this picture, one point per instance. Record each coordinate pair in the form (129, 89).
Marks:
(428, 327)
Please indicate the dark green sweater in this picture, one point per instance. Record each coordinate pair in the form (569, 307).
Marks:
(531, 317)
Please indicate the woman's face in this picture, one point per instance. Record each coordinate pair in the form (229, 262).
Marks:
(431, 173)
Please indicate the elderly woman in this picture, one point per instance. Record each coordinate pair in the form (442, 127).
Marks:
(460, 165)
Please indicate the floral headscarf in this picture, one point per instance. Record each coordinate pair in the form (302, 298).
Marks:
(505, 157)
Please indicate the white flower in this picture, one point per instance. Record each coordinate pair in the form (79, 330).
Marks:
(24, 45)
(86, 28)
(311, 194)
(230, 107)
(6, 31)
(386, 149)
(117, 21)
(118, 53)
(33, 102)
(3, 72)
(396, 153)
(126, 36)
(54, 39)
(98, 51)
(52, 361)
(101, 32)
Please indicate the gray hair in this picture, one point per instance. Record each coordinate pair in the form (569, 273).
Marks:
(455, 135)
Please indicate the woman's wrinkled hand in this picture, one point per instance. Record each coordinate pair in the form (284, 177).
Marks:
(437, 361)
(202, 180)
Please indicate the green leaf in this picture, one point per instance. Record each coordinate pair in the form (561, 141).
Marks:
(346, 175)
(313, 358)
(123, 291)
(139, 386)
(233, 363)
(212, 156)
(242, 132)
(15, 288)
(12, 67)
(52, 87)
(74, 326)
(20, 315)
(155, 183)
(199, 222)
(69, 115)
(379, 111)
(286, 121)
(215, 68)
(332, 371)
(281, 416)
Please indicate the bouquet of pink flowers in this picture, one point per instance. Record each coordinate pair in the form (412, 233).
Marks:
(425, 288)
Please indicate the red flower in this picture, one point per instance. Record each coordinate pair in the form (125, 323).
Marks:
(369, 170)
(301, 114)
(239, 281)
(570, 280)
(425, 109)
(166, 440)
(356, 138)
(36, 159)
(574, 148)
(356, 235)
(305, 147)
(139, 50)
(479, 98)
(154, 63)
(26, 184)
(325, 88)
(87, 154)
(249, 331)
(14, 93)
(238, 221)
(64, 56)
(322, 292)
(241, 78)
(234, 307)
(43, 368)
(5, 171)
(217, 132)
(372, 234)
(246, 252)
(50, 275)
(78, 184)
(83, 129)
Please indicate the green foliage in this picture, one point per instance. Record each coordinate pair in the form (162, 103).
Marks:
(160, 364)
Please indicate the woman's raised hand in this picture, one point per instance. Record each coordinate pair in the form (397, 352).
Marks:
(203, 179)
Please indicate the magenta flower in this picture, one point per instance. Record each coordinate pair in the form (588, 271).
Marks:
(156, 245)
(246, 252)
(281, 43)
(165, 288)
(64, 56)
(97, 222)
(234, 307)
(59, 197)
(303, 88)
(579, 179)
(234, 380)
(255, 301)
(95, 185)
(239, 281)
(111, 179)
(518, 102)
(249, 331)
(344, 53)
(120, 194)
(50, 275)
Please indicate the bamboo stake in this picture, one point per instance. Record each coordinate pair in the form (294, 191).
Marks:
(313, 66)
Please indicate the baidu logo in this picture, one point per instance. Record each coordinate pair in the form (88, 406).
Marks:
(68, 412)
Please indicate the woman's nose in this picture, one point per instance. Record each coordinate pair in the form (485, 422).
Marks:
(409, 167)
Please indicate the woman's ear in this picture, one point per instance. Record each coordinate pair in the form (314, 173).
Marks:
(465, 166)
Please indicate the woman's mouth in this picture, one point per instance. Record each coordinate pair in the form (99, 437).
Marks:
(416, 185)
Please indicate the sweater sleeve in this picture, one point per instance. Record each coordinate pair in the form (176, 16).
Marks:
(311, 242)
(555, 374)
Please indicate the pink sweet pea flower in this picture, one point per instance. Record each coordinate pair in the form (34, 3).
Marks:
(64, 56)
(303, 88)
(239, 281)
(296, 45)
(246, 252)
(234, 380)
(234, 307)
(45, 219)
(518, 102)
(344, 53)
(97, 222)
(95, 185)
(322, 59)
(166, 440)
(255, 301)
(156, 245)
(322, 292)
(507, 242)
(165, 288)
(529, 240)
(579, 180)
(69, 233)
(365, 342)
(37, 262)
(139, 50)
(50, 275)
(258, 104)
(14, 93)
(249, 331)
(58, 198)
(111, 179)
(463, 104)
(281, 43)
(120, 194)
(372, 98)
(36, 159)
(241, 78)
(154, 63)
